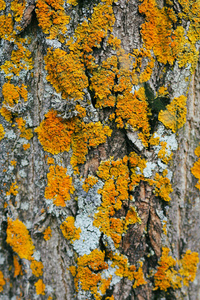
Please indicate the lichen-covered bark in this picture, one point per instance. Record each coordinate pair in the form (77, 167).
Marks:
(99, 143)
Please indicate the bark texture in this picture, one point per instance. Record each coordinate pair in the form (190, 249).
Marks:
(99, 143)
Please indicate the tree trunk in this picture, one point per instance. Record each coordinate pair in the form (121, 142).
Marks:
(100, 167)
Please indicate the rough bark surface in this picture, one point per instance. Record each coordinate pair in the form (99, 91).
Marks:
(93, 92)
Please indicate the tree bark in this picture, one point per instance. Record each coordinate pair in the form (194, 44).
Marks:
(99, 143)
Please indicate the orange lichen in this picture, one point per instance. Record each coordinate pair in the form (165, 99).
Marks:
(26, 146)
(168, 44)
(166, 275)
(19, 239)
(20, 60)
(73, 270)
(163, 186)
(69, 78)
(47, 233)
(52, 18)
(2, 132)
(163, 154)
(88, 271)
(25, 133)
(136, 164)
(125, 270)
(13, 163)
(69, 230)
(59, 185)
(6, 27)
(2, 281)
(2, 5)
(36, 267)
(54, 134)
(89, 182)
(6, 114)
(18, 9)
(17, 266)
(188, 266)
(114, 191)
(50, 161)
(196, 167)
(134, 110)
(40, 287)
(174, 117)
(13, 189)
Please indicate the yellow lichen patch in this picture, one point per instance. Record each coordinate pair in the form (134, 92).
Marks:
(69, 230)
(164, 227)
(6, 114)
(26, 146)
(163, 154)
(59, 185)
(158, 34)
(2, 132)
(54, 134)
(13, 189)
(188, 266)
(89, 182)
(137, 164)
(133, 109)
(13, 163)
(72, 2)
(88, 271)
(19, 239)
(52, 18)
(17, 266)
(2, 281)
(40, 287)
(126, 270)
(196, 167)
(73, 270)
(166, 276)
(18, 9)
(163, 186)
(20, 60)
(66, 73)
(50, 161)
(25, 133)
(114, 191)
(2, 5)
(37, 268)
(6, 27)
(47, 233)
(174, 117)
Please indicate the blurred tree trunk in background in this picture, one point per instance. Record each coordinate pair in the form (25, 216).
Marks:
(100, 167)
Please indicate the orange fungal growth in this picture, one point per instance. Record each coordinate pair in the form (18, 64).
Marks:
(6, 114)
(59, 185)
(139, 277)
(47, 233)
(19, 239)
(54, 134)
(17, 266)
(2, 281)
(163, 187)
(2, 132)
(174, 117)
(89, 182)
(163, 153)
(69, 230)
(52, 18)
(36, 267)
(26, 146)
(40, 287)
(13, 189)
(50, 161)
